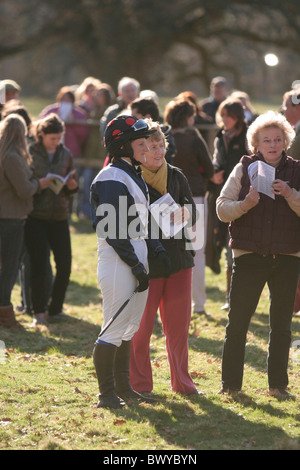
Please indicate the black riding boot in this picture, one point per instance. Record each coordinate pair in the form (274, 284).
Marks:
(121, 373)
(104, 356)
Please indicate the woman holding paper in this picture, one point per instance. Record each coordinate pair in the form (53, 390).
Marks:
(264, 237)
(17, 187)
(170, 291)
(47, 226)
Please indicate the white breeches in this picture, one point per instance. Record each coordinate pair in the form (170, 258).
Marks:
(117, 283)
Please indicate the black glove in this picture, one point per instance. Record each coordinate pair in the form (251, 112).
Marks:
(163, 263)
(140, 273)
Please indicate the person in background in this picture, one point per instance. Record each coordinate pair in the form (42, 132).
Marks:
(147, 108)
(128, 90)
(229, 146)
(15, 107)
(103, 96)
(75, 135)
(249, 111)
(48, 222)
(93, 151)
(200, 117)
(17, 187)
(84, 94)
(264, 237)
(193, 158)
(9, 90)
(291, 110)
(122, 255)
(170, 289)
(218, 93)
(74, 118)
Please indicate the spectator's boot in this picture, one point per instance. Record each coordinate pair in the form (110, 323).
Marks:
(7, 317)
(104, 356)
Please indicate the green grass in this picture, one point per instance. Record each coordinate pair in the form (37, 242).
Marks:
(48, 388)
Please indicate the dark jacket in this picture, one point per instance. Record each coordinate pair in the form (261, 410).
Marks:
(46, 204)
(121, 180)
(271, 227)
(180, 257)
(226, 158)
(192, 157)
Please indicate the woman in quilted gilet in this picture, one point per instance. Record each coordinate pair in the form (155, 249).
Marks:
(264, 236)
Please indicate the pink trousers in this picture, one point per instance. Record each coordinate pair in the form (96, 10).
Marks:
(173, 297)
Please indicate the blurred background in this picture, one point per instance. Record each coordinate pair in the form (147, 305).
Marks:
(167, 46)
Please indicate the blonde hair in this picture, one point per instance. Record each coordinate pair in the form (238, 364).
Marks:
(13, 131)
(158, 134)
(268, 120)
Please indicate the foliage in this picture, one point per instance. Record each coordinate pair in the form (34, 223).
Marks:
(148, 40)
(48, 389)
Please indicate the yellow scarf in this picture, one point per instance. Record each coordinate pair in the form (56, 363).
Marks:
(157, 179)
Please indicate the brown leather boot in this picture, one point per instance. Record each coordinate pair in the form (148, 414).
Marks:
(7, 317)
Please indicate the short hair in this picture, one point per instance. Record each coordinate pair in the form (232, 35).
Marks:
(128, 81)
(268, 120)
(234, 108)
(146, 106)
(218, 81)
(177, 113)
(158, 134)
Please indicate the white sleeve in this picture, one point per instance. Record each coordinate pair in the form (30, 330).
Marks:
(228, 207)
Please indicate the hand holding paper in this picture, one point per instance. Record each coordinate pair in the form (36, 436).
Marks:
(261, 177)
(251, 200)
(281, 188)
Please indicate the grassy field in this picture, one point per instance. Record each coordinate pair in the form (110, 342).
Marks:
(48, 388)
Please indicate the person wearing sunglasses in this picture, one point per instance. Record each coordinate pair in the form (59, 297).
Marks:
(119, 202)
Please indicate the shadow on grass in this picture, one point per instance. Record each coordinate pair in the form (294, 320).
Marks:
(255, 356)
(210, 425)
(71, 336)
(215, 293)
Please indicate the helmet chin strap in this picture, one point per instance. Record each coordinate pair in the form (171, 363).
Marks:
(128, 152)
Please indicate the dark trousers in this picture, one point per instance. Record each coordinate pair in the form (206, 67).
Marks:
(25, 279)
(250, 274)
(11, 240)
(39, 236)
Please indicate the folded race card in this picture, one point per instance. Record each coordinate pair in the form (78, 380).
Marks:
(261, 177)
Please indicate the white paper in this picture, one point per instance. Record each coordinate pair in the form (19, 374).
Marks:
(56, 182)
(161, 211)
(261, 177)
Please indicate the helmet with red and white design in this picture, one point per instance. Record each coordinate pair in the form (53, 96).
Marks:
(120, 131)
